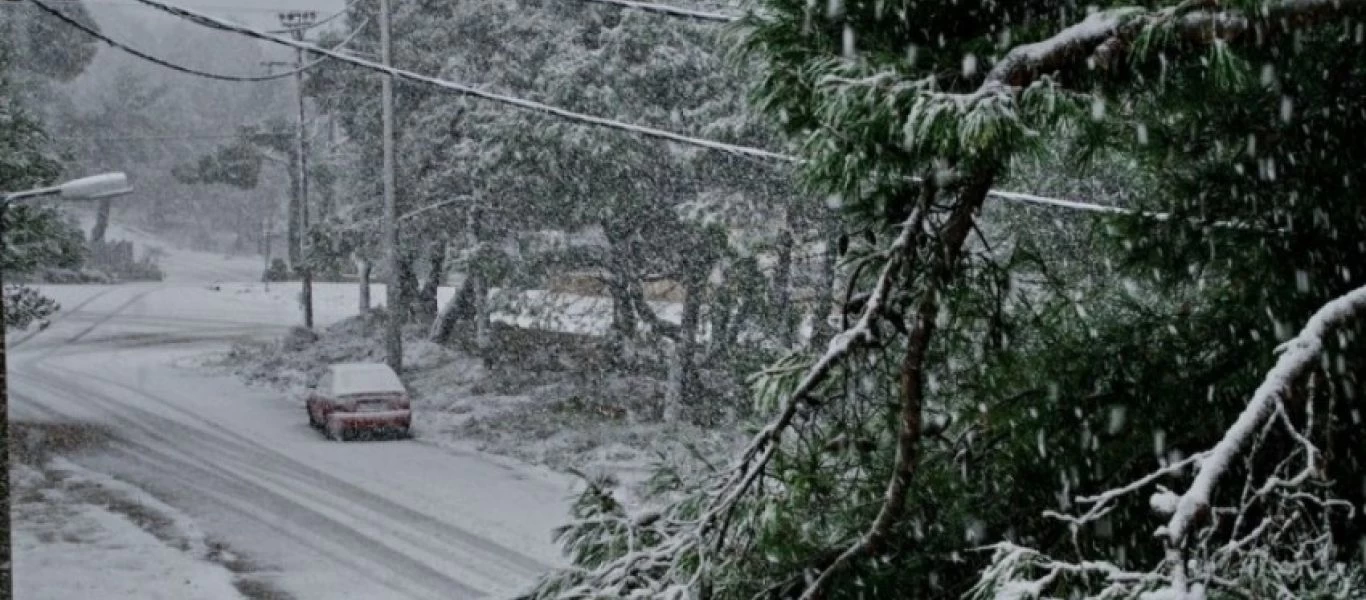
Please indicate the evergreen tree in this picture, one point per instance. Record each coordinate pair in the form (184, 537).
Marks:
(974, 386)
(33, 237)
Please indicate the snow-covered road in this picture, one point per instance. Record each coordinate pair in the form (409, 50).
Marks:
(317, 519)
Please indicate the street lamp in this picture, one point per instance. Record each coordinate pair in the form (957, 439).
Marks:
(105, 185)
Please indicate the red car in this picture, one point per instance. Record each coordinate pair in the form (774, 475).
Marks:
(359, 397)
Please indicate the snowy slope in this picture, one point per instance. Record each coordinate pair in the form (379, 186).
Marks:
(179, 264)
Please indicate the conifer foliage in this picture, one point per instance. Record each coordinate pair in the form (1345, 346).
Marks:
(33, 237)
(952, 437)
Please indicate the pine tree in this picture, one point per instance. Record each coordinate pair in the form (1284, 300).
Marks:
(33, 237)
(972, 389)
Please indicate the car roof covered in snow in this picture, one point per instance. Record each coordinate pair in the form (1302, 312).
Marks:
(364, 378)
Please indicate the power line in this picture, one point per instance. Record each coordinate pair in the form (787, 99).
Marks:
(671, 11)
(166, 138)
(90, 31)
(120, 4)
(662, 9)
(460, 88)
(1069, 204)
(463, 89)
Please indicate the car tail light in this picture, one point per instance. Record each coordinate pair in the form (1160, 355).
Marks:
(401, 402)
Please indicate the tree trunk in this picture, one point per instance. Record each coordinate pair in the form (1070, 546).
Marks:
(407, 290)
(673, 387)
(619, 276)
(363, 265)
(682, 361)
(941, 271)
(475, 291)
(292, 229)
(483, 338)
(6, 561)
(460, 308)
(623, 309)
(780, 297)
(827, 298)
(719, 312)
(101, 223)
(436, 275)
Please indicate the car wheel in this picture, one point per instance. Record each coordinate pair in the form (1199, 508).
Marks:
(312, 422)
(335, 431)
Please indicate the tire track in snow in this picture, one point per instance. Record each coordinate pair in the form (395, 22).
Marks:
(135, 341)
(61, 315)
(227, 486)
(171, 320)
(215, 487)
(321, 478)
(58, 345)
(265, 483)
(242, 458)
(526, 563)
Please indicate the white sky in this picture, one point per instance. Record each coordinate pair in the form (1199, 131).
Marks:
(260, 13)
(124, 19)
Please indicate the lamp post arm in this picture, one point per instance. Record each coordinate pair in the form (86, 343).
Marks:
(34, 193)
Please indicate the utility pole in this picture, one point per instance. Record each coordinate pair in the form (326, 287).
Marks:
(267, 228)
(393, 327)
(297, 21)
(269, 219)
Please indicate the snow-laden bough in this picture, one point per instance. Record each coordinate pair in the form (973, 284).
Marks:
(1272, 552)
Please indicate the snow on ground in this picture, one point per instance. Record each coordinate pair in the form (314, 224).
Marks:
(560, 420)
(420, 521)
(179, 264)
(70, 541)
(563, 420)
(565, 313)
(572, 419)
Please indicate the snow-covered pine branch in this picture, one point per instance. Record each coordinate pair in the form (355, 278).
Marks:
(1285, 550)
(762, 446)
(1298, 356)
(1104, 37)
(993, 115)
(686, 542)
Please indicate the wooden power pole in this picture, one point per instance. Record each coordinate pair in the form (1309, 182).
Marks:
(297, 21)
(393, 329)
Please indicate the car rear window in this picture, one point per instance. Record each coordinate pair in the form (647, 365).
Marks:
(364, 379)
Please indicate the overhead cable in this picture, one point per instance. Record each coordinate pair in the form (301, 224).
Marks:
(131, 4)
(460, 88)
(91, 31)
(169, 138)
(467, 90)
(672, 11)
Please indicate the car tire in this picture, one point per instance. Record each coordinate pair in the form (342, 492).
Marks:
(335, 431)
(312, 422)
